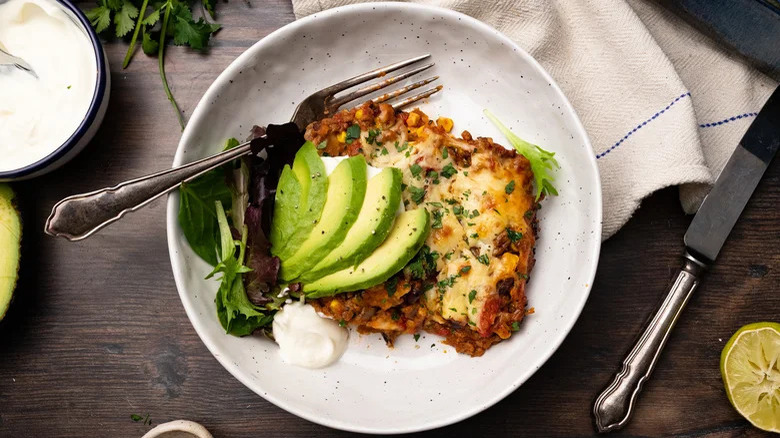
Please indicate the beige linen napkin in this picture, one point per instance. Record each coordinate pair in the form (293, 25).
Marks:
(663, 105)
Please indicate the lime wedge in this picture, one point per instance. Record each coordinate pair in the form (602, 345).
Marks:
(750, 366)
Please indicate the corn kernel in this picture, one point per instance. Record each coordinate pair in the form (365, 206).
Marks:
(445, 123)
(359, 114)
(413, 120)
(342, 137)
(420, 131)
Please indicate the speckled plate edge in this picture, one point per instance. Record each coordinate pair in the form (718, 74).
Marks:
(172, 217)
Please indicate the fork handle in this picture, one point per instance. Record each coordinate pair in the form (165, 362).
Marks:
(614, 406)
(79, 216)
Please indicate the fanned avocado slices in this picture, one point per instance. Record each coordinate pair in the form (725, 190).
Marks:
(309, 181)
(10, 241)
(383, 196)
(406, 238)
(346, 190)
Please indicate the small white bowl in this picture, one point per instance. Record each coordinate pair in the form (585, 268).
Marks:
(178, 429)
(92, 119)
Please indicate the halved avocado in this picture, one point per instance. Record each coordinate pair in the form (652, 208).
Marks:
(346, 190)
(10, 241)
(405, 240)
(383, 195)
(309, 171)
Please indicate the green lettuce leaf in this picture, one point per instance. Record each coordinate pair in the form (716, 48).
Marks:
(197, 215)
(238, 316)
(541, 160)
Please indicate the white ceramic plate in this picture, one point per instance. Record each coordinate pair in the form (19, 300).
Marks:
(425, 384)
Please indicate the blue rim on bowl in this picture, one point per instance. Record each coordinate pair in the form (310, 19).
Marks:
(94, 106)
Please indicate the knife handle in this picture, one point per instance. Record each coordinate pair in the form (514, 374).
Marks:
(614, 406)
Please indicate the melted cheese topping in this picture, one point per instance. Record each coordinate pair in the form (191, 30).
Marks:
(471, 207)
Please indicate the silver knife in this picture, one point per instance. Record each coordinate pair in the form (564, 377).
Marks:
(703, 240)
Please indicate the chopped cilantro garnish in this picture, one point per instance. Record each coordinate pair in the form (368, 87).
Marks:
(448, 171)
(474, 213)
(451, 201)
(416, 337)
(384, 151)
(515, 326)
(342, 323)
(417, 194)
(372, 135)
(415, 169)
(444, 152)
(449, 255)
(514, 236)
(391, 285)
(465, 269)
(457, 210)
(146, 420)
(442, 285)
(454, 309)
(436, 204)
(437, 217)
(396, 315)
(484, 259)
(474, 311)
(472, 295)
(322, 145)
(416, 268)
(353, 133)
(475, 236)
(423, 263)
(402, 147)
(510, 187)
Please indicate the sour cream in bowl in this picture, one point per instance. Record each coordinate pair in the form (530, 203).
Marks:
(46, 121)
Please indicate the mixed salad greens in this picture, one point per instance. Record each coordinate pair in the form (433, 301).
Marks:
(225, 216)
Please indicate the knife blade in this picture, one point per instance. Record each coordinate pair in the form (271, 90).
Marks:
(703, 240)
(735, 184)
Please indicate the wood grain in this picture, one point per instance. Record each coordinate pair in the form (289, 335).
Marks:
(97, 332)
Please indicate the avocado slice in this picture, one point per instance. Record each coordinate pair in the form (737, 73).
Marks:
(309, 172)
(406, 238)
(10, 241)
(288, 196)
(383, 196)
(346, 190)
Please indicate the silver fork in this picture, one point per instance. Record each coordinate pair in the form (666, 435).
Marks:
(79, 216)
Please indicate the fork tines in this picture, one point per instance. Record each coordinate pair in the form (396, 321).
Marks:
(335, 102)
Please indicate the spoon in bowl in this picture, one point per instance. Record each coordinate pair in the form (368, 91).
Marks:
(9, 59)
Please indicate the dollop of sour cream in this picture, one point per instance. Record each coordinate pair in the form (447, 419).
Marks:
(39, 115)
(306, 339)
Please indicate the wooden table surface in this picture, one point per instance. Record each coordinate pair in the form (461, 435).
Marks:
(97, 332)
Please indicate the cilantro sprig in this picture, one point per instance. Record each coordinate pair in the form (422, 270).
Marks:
(541, 160)
(168, 20)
